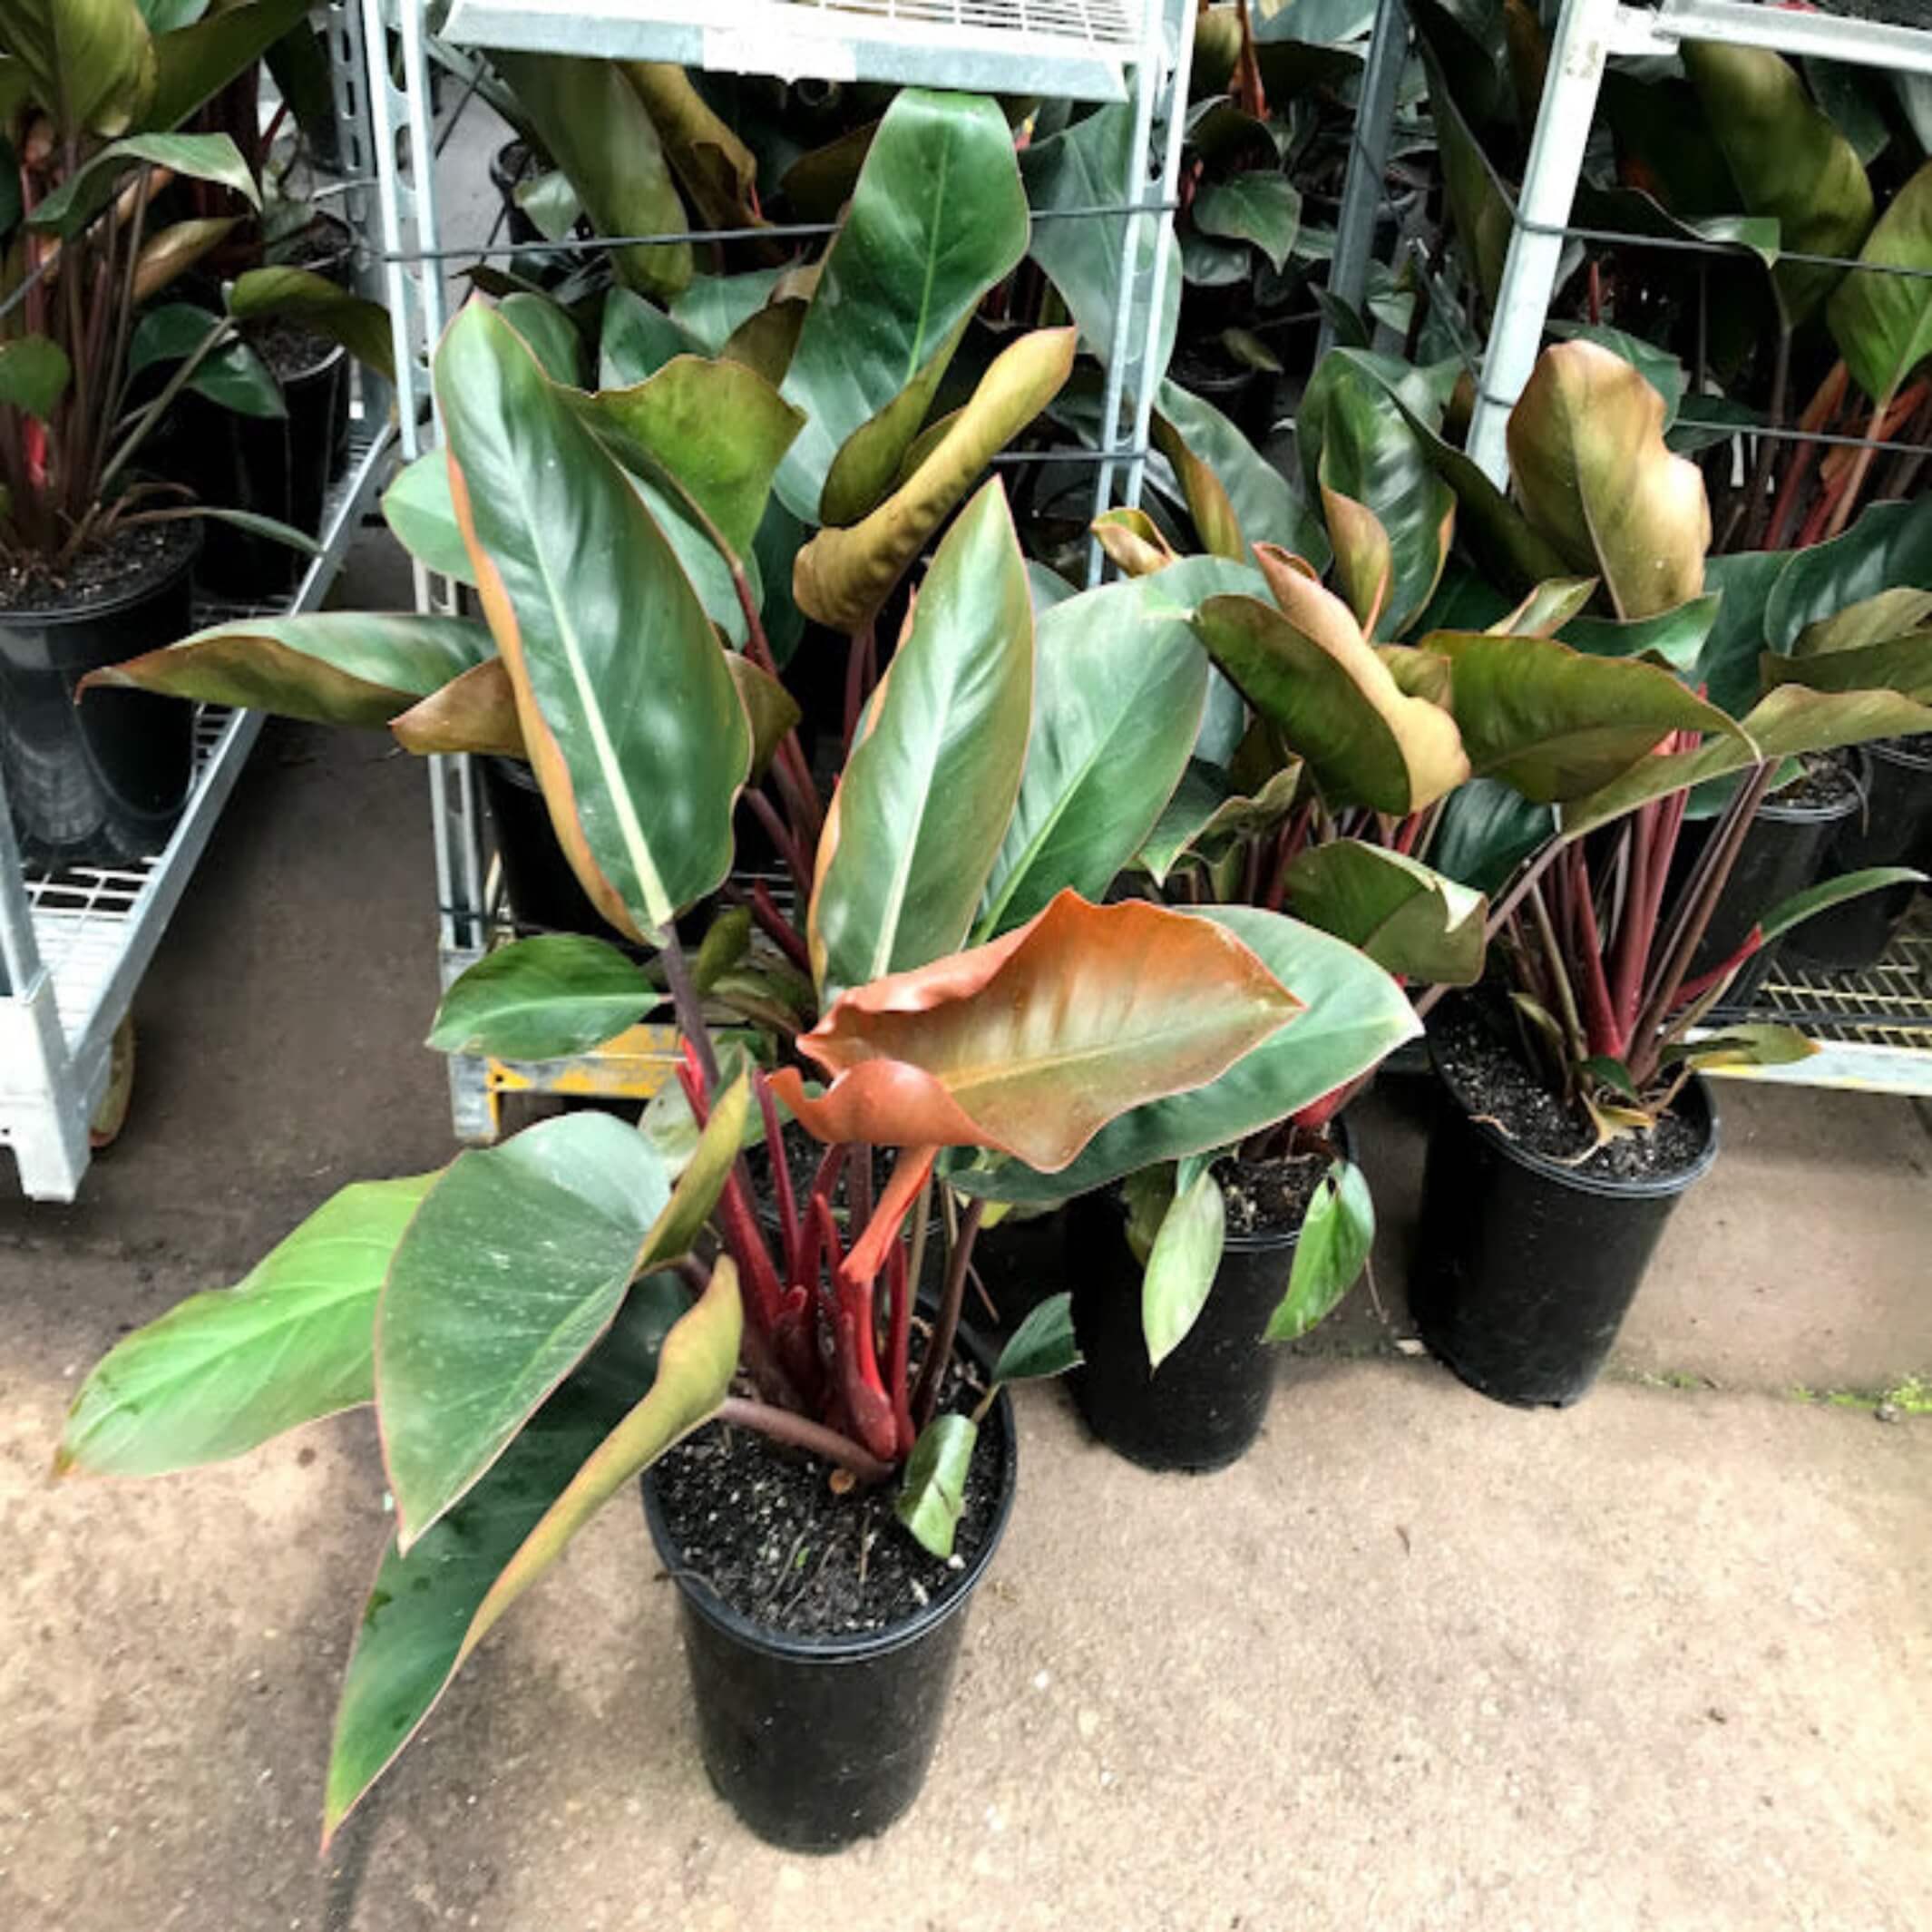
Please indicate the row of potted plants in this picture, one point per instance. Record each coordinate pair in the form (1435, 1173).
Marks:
(972, 895)
(173, 360)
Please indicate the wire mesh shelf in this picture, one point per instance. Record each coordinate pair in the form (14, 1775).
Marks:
(1078, 49)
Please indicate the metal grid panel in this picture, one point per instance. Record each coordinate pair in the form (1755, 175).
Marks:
(1074, 48)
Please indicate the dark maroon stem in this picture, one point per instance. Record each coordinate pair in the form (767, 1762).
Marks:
(798, 1432)
(946, 1330)
(781, 1173)
(778, 928)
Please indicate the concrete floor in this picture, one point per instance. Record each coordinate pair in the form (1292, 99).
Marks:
(1663, 1661)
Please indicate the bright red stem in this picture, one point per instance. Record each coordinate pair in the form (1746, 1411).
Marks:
(739, 1225)
(1599, 1015)
(1692, 990)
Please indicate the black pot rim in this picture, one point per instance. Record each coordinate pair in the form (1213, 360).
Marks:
(121, 600)
(1651, 1187)
(857, 1646)
(1892, 751)
(310, 371)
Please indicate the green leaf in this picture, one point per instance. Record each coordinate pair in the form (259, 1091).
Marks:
(591, 124)
(1828, 892)
(1882, 322)
(934, 1492)
(1727, 666)
(418, 510)
(234, 375)
(1410, 921)
(1889, 548)
(715, 306)
(1593, 474)
(938, 218)
(360, 325)
(1235, 495)
(1181, 1268)
(88, 62)
(1042, 1346)
(87, 189)
(640, 752)
(258, 525)
(34, 373)
(1478, 210)
(1307, 670)
(1193, 803)
(1337, 1233)
(923, 806)
(543, 999)
(1786, 721)
(1657, 367)
(1898, 664)
(192, 64)
(223, 1372)
(1486, 830)
(1677, 636)
(333, 667)
(552, 204)
(1119, 687)
(1750, 1046)
(1555, 724)
(638, 340)
(843, 576)
(1088, 165)
(1265, 209)
(868, 460)
(1788, 161)
(1355, 442)
(514, 1265)
(422, 1615)
(1355, 1016)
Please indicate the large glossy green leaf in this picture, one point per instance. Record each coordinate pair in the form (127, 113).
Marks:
(84, 193)
(1043, 1345)
(1555, 723)
(1235, 495)
(923, 806)
(1355, 1016)
(515, 1264)
(1311, 675)
(192, 64)
(417, 508)
(715, 430)
(1677, 636)
(932, 1497)
(1486, 830)
(595, 128)
(938, 218)
(1593, 474)
(233, 375)
(1181, 1267)
(1088, 165)
(1882, 322)
(34, 373)
(1889, 548)
(1033, 1042)
(1786, 721)
(542, 998)
(717, 169)
(1354, 441)
(628, 710)
(637, 340)
(423, 1607)
(89, 63)
(1329, 1254)
(1410, 921)
(1119, 687)
(1902, 663)
(869, 461)
(1788, 161)
(333, 667)
(1260, 206)
(224, 1371)
(843, 576)
(1478, 208)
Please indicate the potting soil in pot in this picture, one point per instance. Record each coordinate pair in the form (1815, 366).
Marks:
(1269, 1197)
(1500, 1089)
(765, 1529)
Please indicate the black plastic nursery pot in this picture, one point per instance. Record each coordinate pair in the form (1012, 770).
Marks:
(1893, 828)
(1784, 851)
(103, 781)
(279, 467)
(816, 1742)
(544, 891)
(1204, 1405)
(1020, 1261)
(1524, 1268)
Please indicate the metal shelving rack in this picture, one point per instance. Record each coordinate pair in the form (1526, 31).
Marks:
(1108, 51)
(1873, 1028)
(74, 942)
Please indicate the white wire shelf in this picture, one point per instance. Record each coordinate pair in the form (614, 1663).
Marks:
(1078, 49)
(95, 928)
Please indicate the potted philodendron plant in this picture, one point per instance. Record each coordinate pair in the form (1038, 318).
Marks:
(1575, 1114)
(97, 555)
(543, 1321)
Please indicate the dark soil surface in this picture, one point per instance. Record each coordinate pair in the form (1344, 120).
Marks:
(765, 1528)
(1830, 778)
(1271, 1197)
(1491, 1080)
(289, 349)
(130, 560)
